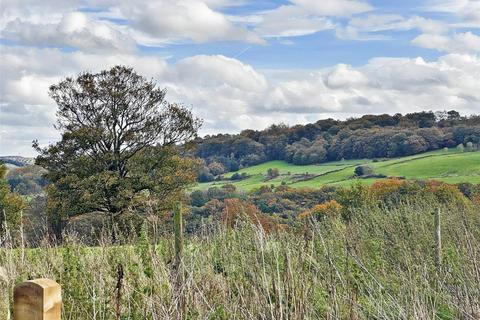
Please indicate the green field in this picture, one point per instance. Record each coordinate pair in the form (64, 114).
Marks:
(449, 166)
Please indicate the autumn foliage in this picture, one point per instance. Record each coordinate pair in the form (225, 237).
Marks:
(445, 193)
(327, 209)
(237, 211)
(383, 188)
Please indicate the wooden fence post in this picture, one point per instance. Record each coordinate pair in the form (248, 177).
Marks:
(438, 240)
(38, 299)
(180, 277)
(178, 228)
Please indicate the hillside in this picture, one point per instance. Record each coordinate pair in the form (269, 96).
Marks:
(327, 141)
(17, 161)
(450, 166)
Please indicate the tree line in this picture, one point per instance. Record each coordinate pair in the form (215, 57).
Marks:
(370, 136)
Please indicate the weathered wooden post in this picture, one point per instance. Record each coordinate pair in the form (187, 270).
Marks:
(38, 299)
(180, 278)
(438, 240)
(178, 228)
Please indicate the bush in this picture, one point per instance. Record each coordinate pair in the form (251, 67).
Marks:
(216, 168)
(205, 176)
(272, 173)
(470, 147)
(238, 176)
(363, 170)
(319, 212)
(198, 198)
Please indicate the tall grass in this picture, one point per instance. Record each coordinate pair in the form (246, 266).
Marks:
(380, 265)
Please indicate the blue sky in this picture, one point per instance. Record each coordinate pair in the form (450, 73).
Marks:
(243, 64)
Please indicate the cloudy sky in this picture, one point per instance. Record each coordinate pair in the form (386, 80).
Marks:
(243, 64)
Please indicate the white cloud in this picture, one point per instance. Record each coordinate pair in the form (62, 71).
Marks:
(379, 22)
(291, 21)
(334, 7)
(158, 22)
(198, 70)
(370, 27)
(344, 76)
(74, 29)
(466, 42)
(168, 20)
(467, 10)
(35, 12)
(303, 17)
(231, 95)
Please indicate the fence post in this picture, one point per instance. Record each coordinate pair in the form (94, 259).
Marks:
(38, 299)
(178, 228)
(438, 240)
(180, 278)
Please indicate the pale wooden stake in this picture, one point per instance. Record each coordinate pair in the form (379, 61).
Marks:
(180, 278)
(438, 240)
(178, 228)
(38, 299)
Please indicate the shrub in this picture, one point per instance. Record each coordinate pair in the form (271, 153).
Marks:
(237, 210)
(272, 173)
(445, 193)
(391, 191)
(216, 168)
(205, 176)
(198, 198)
(319, 212)
(469, 147)
(229, 188)
(363, 170)
(236, 176)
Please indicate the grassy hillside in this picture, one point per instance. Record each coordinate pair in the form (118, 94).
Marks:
(449, 166)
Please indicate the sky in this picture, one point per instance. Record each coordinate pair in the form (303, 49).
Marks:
(243, 64)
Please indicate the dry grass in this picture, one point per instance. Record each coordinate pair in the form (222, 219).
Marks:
(381, 265)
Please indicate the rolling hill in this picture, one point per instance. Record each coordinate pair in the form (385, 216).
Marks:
(17, 161)
(451, 166)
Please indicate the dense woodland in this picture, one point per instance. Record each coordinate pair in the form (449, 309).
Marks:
(371, 136)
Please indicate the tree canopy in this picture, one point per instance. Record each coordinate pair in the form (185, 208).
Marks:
(119, 144)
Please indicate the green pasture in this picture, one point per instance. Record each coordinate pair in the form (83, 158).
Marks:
(449, 166)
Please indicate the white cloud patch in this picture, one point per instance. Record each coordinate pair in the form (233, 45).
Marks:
(334, 7)
(158, 23)
(170, 20)
(231, 95)
(291, 21)
(230, 72)
(370, 27)
(466, 42)
(468, 11)
(74, 29)
(303, 17)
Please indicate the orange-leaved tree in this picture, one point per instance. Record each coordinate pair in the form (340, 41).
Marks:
(237, 211)
(328, 209)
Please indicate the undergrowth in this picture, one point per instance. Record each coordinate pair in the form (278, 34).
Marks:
(378, 265)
